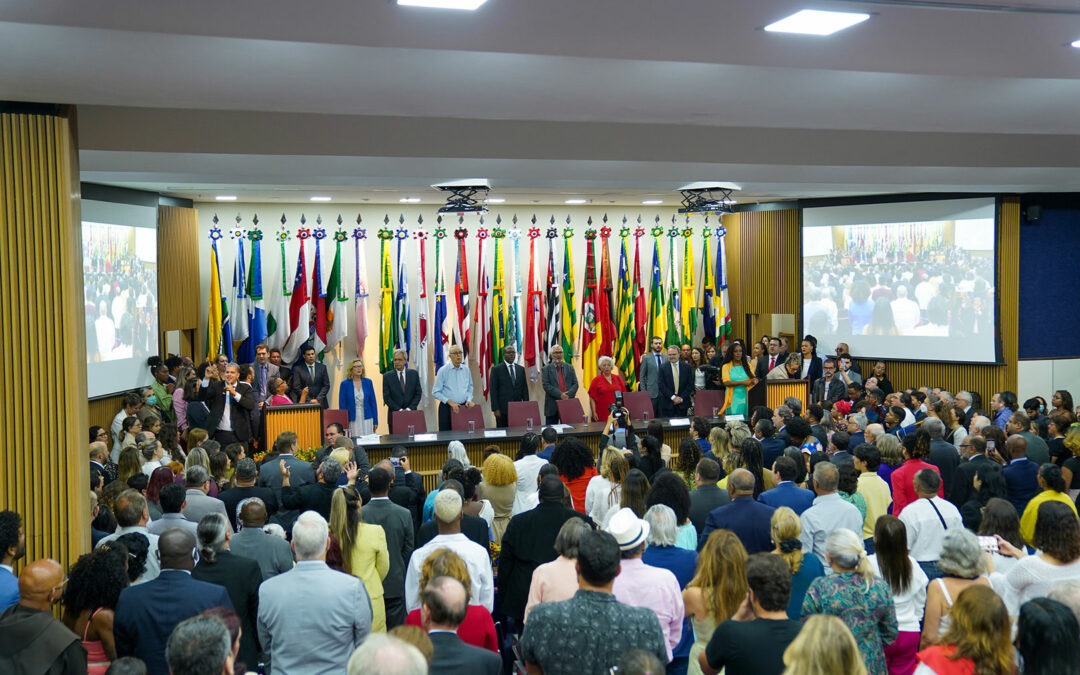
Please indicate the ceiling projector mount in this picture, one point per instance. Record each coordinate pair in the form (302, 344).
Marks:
(462, 197)
(707, 197)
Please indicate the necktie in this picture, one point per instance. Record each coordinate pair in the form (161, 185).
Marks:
(311, 369)
(262, 385)
(772, 362)
(510, 367)
(675, 375)
(401, 377)
(562, 380)
(658, 361)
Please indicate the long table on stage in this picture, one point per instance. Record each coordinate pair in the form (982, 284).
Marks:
(427, 452)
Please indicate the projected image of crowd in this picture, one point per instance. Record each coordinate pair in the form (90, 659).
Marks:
(121, 308)
(936, 291)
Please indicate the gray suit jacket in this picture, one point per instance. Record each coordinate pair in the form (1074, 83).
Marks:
(549, 378)
(270, 472)
(169, 521)
(311, 618)
(649, 374)
(256, 386)
(273, 554)
(397, 524)
(198, 505)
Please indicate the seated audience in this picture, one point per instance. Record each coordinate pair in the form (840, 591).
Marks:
(977, 640)
(562, 638)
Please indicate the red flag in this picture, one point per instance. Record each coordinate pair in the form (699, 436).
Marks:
(641, 313)
(590, 345)
(461, 299)
(605, 307)
(483, 322)
(318, 302)
(534, 320)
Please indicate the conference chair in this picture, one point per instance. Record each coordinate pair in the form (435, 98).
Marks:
(707, 399)
(459, 421)
(339, 415)
(522, 411)
(638, 404)
(571, 411)
(403, 419)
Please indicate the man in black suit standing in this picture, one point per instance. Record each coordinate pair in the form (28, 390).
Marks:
(708, 495)
(442, 610)
(508, 384)
(264, 373)
(230, 404)
(283, 371)
(147, 613)
(676, 381)
(774, 358)
(560, 384)
(973, 451)
(311, 376)
(246, 473)
(400, 387)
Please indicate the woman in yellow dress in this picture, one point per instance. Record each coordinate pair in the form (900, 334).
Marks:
(363, 550)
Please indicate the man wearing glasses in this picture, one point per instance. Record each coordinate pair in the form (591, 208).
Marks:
(973, 451)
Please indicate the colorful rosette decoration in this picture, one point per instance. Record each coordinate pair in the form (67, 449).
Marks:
(320, 233)
(440, 233)
(303, 233)
(340, 236)
(359, 233)
(386, 234)
(534, 233)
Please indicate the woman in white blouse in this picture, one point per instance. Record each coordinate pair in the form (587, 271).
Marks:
(1057, 538)
(604, 491)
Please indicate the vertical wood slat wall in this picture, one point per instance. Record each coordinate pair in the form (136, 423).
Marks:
(41, 325)
(178, 268)
(764, 251)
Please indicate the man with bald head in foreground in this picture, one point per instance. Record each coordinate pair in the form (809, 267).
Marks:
(442, 610)
(745, 516)
(147, 613)
(272, 553)
(31, 640)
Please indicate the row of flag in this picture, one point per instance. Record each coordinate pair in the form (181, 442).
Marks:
(616, 317)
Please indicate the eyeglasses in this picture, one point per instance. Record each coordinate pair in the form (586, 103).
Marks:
(61, 585)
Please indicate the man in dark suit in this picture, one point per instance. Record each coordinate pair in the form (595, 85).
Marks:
(973, 450)
(772, 446)
(774, 358)
(508, 384)
(1021, 474)
(313, 496)
(397, 523)
(311, 376)
(708, 495)
(748, 518)
(560, 384)
(246, 474)
(529, 541)
(942, 455)
(787, 493)
(676, 380)
(407, 489)
(264, 373)
(147, 613)
(649, 371)
(442, 610)
(230, 403)
(239, 576)
(400, 387)
(829, 387)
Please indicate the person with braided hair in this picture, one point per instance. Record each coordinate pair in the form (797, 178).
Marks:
(786, 528)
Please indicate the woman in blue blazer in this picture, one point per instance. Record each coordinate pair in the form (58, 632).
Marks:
(357, 395)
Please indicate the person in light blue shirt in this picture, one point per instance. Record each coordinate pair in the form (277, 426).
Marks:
(12, 547)
(829, 512)
(453, 387)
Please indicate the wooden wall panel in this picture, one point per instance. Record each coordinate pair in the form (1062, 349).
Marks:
(178, 268)
(100, 411)
(41, 306)
(764, 256)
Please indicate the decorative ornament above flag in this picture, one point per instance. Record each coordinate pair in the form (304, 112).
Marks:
(673, 232)
(283, 235)
(567, 232)
(215, 233)
(498, 233)
(461, 234)
(359, 233)
(624, 232)
(658, 231)
(534, 233)
(236, 233)
(386, 233)
(340, 236)
(440, 233)
(639, 232)
(552, 232)
(687, 232)
(706, 233)
(605, 232)
(303, 233)
(590, 233)
(721, 231)
(320, 233)
(514, 233)
(482, 233)
(420, 234)
(402, 233)
(255, 235)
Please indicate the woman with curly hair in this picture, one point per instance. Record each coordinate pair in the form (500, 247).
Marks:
(478, 628)
(916, 449)
(977, 640)
(1057, 537)
(670, 490)
(805, 566)
(94, 585)
(499, 487)
(576, 468)
(717, 589)
(686, 464)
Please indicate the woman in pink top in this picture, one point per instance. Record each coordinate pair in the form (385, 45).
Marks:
(916, 447)
(557, 580)
(93, 589)
(279, 387)
(178, 401)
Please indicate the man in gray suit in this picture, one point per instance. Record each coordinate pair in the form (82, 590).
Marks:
(397, 523)
(272, 553)
(560, 384)
(199, 503)
(300, 472)
(649, 371)
(312, 617)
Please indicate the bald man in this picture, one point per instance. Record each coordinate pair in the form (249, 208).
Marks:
(272, 553)
(744, 515)
(31, 640)
(1021, 474)
(147, 613)
(444, 603)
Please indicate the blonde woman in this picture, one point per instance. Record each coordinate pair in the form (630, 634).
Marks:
(499, 487)
(854, 594)
(363, 550)
(721, 443)
(199, 457)
(604, 491)
(478, 628)
(357, 395)
(716, 591)
(805, 566)
(824, 646)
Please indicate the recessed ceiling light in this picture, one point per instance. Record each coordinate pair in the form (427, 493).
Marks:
(495, 200)
(320, 199)
(442, 4)
(225, 198)
(652, 202)
(576, 201)
(1076, 44)
(409, 200)
(816, 22)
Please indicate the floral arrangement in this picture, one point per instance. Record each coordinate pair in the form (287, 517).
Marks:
(305, 454)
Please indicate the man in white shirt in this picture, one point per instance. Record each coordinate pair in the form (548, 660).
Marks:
(927, 519)
(829, 512)
(905, 311)
(448, 519)
(132, 403)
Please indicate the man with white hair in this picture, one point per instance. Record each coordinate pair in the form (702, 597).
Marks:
(963, 402)
(382, 654)
(978, 423)
(857, 429)
(905, 311)
(312, 617)
(829, 512)
(448, 519)
(873, 432)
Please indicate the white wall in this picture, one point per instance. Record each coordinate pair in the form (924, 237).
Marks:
(373, 215)
(1044, 377)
